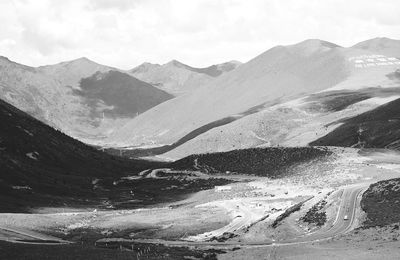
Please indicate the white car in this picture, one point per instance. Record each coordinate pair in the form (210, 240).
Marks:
(346, 217)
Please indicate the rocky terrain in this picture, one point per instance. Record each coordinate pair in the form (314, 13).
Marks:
(381, 203)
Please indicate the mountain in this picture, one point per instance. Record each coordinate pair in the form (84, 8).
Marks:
(385, 46)
(377, 128)
(287, 96)
(69, 73)
(279, 73)
(37, 93)
(178, 78)
(121, 94)
(82, 98)
(41, 166)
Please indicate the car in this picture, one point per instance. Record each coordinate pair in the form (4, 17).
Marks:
(346, 217)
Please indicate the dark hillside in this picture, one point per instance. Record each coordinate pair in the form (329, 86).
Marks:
(381, 202)
(378, 128)
(119, 95)
(269, 162)
(40, 166)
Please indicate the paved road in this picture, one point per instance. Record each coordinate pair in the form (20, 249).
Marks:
(244, 217)
(348, 206)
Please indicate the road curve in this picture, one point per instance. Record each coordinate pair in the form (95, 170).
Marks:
(348, 206)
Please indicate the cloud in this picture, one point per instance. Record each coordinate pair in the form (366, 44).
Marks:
(124, 33)
(121, 5)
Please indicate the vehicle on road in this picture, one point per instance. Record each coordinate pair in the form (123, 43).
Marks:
(346, 217)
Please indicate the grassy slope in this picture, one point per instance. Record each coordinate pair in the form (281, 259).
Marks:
(49, 167)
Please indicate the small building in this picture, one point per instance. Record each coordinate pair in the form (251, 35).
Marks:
(222, 188)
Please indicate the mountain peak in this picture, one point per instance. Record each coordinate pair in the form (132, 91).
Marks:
(176, 64)
(377, 43)
(316, 43)
(309, 46)
(144, 67)
(81, 60)
(4, 58)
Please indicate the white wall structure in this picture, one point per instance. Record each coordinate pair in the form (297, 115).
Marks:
(366, 61)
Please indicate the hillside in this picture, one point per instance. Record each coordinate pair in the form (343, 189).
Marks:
(120, 94)
(381, 203)
(69, 73)
(377, 128)
(279, 74)
(41, 166)
(371, 79)
(54, 94)
(270, 162)
(177, 78)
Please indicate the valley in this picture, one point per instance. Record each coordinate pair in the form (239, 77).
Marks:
(293, 154)
(250, 212)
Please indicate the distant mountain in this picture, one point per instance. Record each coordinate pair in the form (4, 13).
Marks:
(69, 73)
(213, 70)
(386, 46)
(119, 95)
(41, 166)
(288, 96)
(278, 74)
(178, 78)
(82, 98)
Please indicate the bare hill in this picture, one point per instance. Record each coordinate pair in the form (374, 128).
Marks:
(371, 79)
(177, 78)
(281, 73)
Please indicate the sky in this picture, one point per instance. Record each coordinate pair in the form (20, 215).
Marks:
(126, 33)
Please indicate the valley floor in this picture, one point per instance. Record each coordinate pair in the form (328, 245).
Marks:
(313, 213)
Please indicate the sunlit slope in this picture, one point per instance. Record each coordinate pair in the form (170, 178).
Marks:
(177, 78)
(306, 119)
(281, 73)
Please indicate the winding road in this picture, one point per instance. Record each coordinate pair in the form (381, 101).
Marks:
(349, 201)
(348, 206)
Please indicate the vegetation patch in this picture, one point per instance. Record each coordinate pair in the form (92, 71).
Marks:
(272, 162)
(316, 215)
(381, 203)
(287, 213)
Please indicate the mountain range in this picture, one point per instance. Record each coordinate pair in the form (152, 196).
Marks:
(177, 78)
(85, 99)
(281, 97)
(291, 95)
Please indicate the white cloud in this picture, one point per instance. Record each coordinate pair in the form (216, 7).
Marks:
(124, 33)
